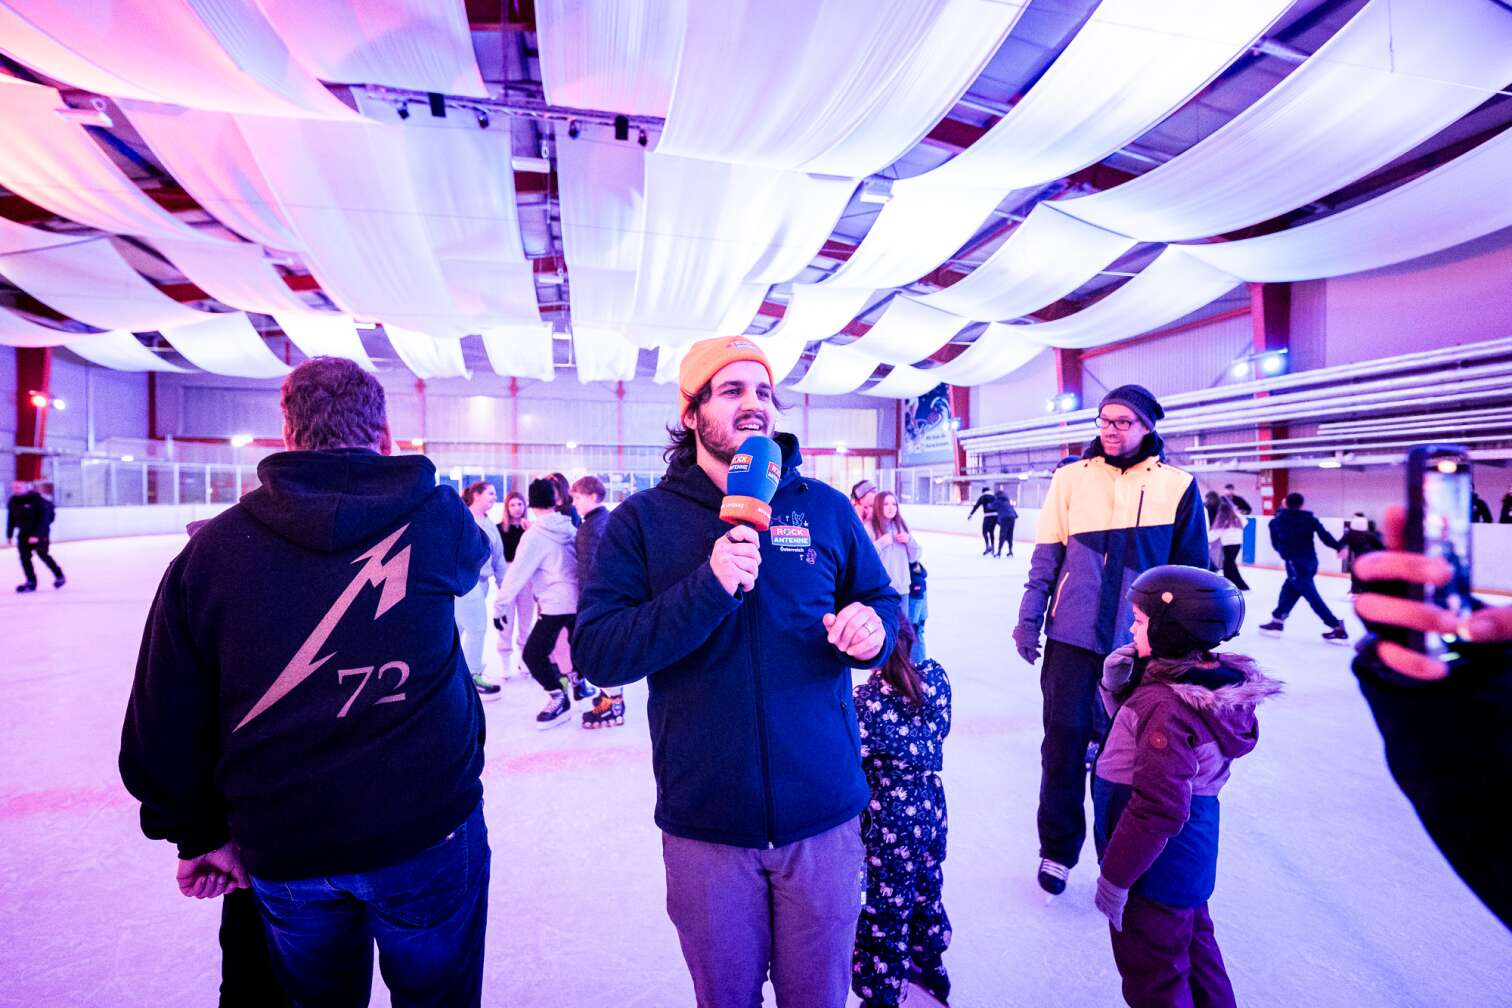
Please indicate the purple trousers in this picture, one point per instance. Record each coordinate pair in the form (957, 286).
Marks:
(1168, 957)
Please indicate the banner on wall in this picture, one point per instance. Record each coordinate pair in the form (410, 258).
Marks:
(928, 434)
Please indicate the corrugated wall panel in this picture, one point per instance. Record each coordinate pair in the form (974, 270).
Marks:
(1196, 359)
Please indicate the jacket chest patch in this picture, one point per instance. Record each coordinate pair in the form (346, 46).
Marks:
(790, 534)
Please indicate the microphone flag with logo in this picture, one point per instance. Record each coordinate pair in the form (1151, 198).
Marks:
(755, 471)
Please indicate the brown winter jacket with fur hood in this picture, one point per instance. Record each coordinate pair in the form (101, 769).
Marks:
(1166, 757)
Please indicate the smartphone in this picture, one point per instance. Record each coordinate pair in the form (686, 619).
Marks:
(1438, 524)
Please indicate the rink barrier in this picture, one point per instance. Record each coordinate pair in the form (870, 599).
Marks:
(1492, 544)
(74, 523)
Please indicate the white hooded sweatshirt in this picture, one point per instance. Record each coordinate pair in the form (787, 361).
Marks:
(545, 565)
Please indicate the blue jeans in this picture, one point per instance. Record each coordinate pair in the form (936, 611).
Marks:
(1299, 585)
(916, 611)
(427, 914)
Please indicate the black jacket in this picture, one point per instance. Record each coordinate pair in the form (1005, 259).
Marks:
(1292, 531)
(753, 732)
(1449, 750)
(28, 515)
(300, 688)
(586, 543)
(988, 505)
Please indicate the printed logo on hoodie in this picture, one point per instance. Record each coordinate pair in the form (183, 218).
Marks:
(392, 576)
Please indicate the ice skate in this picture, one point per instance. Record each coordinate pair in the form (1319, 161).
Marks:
(608, 712)
(486, 690)
(1052, 877)
(558, 708)
(29, 586)
(1337, 635)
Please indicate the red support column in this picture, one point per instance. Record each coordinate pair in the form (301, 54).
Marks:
(1270, 318)
(1068, 378)
(33, 377)
(960, 409)
(619, 425)
(514, 424)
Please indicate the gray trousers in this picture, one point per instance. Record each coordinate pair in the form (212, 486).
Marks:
(740, 912)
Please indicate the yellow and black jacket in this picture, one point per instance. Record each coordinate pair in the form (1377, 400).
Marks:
(1100, 528)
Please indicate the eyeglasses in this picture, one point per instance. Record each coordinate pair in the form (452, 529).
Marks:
(1103, 423)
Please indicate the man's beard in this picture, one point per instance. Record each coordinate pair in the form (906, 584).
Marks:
(723, 442)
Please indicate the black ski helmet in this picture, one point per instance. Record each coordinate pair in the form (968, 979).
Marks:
(1190, 609)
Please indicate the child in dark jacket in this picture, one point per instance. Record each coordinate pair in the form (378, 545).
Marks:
(904, 715)
(1181, 714)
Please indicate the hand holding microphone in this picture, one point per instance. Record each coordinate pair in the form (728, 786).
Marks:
(736, 559)
(755, 471)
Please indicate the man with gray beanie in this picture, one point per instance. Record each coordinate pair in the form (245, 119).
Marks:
(1110, 515)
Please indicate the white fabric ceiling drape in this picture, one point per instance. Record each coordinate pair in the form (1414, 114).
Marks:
(619, 56)
(222, 56)
(427, 356)
(996, 353)
(709, 226)
(120, 351)
(86, 280)
(423, 45)
(235, 274)
(1453, 204)
(227, 345)
(857, 84)
(1396, 74)
(603, 215)
(16, 331)
(1046, 257)
(1129, 66)
(907, 331)
(836, 370)
(344, 189)
(522, 351)
(602, 354)
(1172, 286)
(206, 153)
(55, 164)
(325, 335)
(668, 361)
(813, 313)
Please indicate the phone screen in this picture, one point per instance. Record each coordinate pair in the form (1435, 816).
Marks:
(1446, 534)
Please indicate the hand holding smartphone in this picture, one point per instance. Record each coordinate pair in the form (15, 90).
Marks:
(1439, 490)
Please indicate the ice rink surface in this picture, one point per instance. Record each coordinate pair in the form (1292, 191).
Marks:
(1329, 892)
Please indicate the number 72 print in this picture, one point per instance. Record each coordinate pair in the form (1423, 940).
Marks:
(367, 673)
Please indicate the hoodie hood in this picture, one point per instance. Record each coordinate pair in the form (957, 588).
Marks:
(693, 483)
(1225, 696)
(555, 526)
(332, 500)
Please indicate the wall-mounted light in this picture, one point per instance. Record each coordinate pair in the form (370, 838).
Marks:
(128, 458)
(1065, 402)
(840, 448)
(241, 440)
(571, 446)
(417, 443)
(39, 400)
(59, 404)
(1241, 369)
(1266, 362)
(1332, 463)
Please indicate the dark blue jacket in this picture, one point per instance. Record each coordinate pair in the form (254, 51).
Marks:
(753, 732)
(1292, 531)
(300, 688)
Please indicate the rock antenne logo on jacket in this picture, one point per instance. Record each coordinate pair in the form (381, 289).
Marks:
(391, 575)
(790, 534)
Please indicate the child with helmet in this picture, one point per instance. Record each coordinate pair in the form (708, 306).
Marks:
(1181, 713)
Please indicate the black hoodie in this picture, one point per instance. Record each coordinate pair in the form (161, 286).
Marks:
(300, 688)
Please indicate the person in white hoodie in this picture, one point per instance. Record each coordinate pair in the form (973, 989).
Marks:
(545, 564)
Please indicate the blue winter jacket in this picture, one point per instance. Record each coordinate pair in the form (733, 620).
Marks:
(1292, 531)
(753, 732)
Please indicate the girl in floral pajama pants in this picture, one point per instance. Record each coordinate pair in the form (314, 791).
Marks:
(904, 715)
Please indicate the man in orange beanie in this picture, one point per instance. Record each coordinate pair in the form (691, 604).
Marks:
(753, 732)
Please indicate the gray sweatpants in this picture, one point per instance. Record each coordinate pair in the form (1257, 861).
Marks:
(740, 912)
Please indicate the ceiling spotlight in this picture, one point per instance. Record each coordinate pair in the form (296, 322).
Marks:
(876, 190)
(1064, 403)
(483, 119)
(1273, 363)
(417, 442)
(39, 400)
(59, 404)
(240, 440)
(403, 109)
(1024, 477)
(573, 129)
(128, 458)
(642, 139)
(1332, 463)
(571, 446)
(1241, 368)
(840, 448)
(93, 116)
